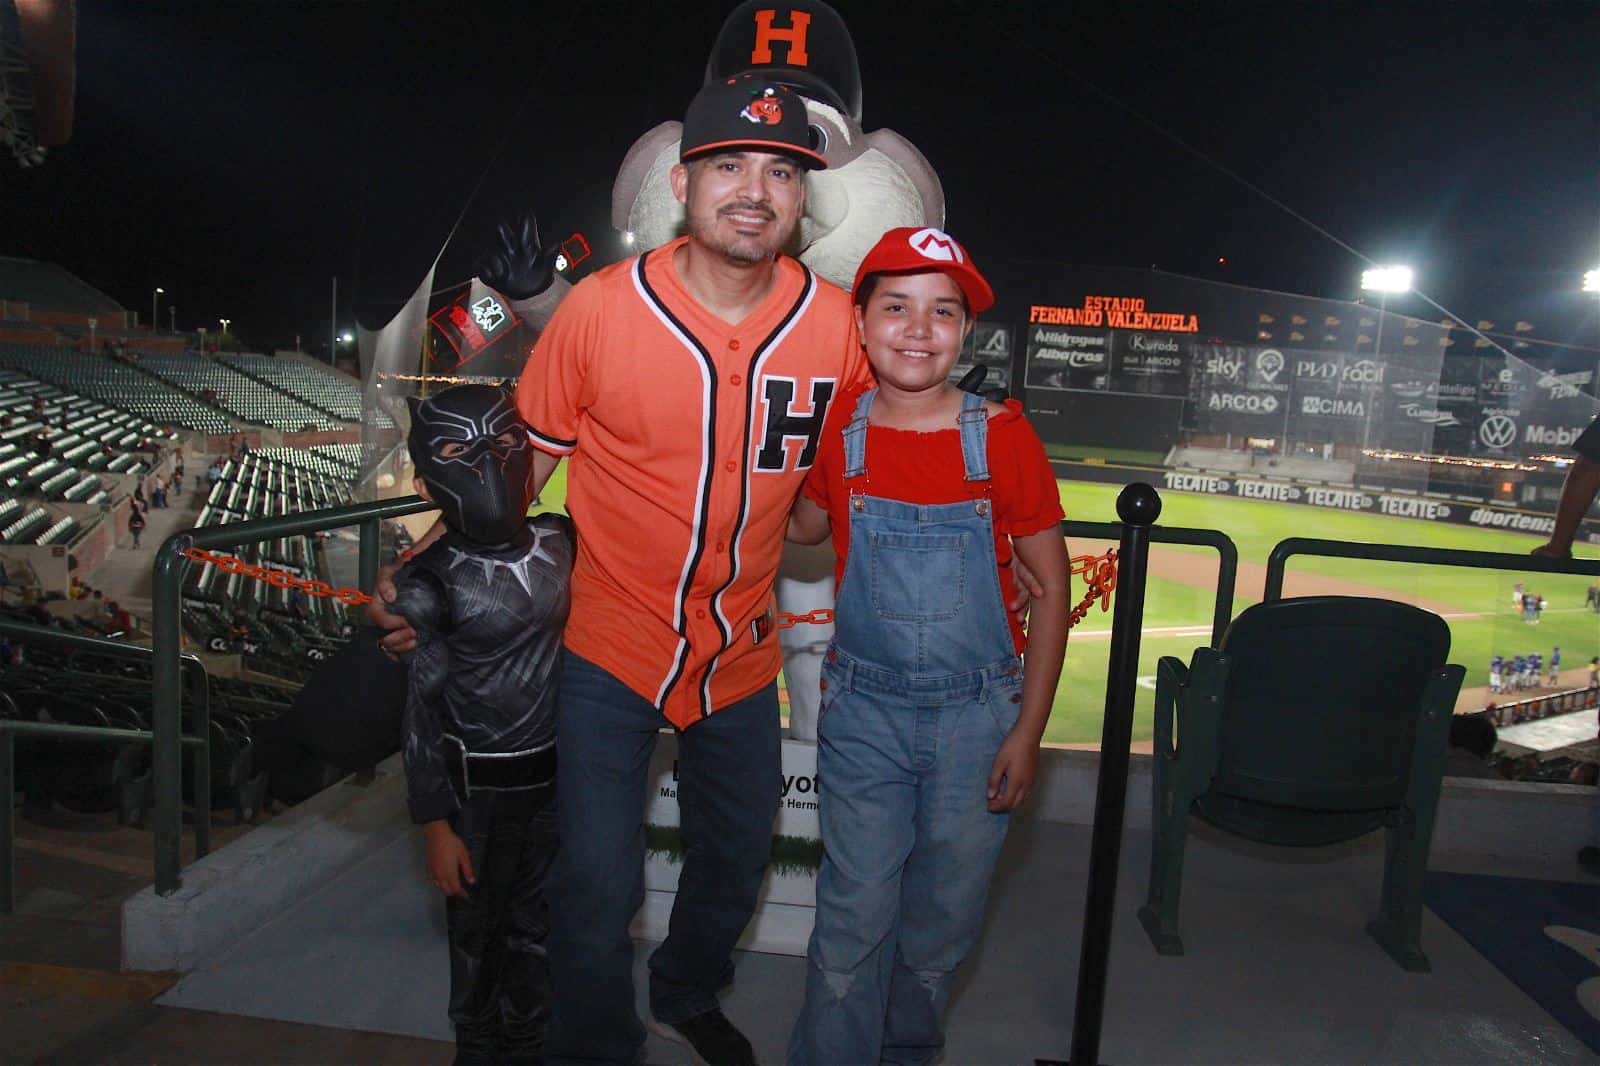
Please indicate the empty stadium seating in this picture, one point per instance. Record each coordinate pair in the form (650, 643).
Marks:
(248, 398)
(115, 383)
(325, 390)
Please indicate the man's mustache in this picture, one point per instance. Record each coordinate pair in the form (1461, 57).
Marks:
(749, 209)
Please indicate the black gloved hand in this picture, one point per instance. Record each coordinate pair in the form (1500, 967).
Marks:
(972, 381)
(519, 267)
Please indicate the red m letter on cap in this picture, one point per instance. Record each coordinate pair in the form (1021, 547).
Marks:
(794, 37)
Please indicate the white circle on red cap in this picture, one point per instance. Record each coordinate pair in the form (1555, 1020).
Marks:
(936, 244)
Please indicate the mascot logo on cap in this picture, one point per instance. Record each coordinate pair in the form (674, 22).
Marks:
(764, 109)
(933, 243)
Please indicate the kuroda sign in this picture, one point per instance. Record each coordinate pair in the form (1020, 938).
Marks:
(788, 900)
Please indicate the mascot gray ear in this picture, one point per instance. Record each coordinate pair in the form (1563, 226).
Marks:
(917, 168)
(641, 198)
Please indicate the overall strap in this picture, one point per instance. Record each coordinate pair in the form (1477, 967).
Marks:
(855, 437)
(974, 422)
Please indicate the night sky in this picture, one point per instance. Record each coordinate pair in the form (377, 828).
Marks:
(241, 154)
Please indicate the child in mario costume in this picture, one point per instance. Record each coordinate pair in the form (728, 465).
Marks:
(488, 601)
(930, 722)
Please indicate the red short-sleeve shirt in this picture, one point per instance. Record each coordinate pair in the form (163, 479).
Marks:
(926, 468)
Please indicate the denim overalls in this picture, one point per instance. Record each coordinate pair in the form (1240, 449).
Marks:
(921, 684)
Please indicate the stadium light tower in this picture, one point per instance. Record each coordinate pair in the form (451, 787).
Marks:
(225, 323)
(154, 325)
(1591, 281)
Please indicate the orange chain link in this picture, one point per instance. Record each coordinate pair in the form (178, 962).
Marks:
(820, 617)
(1100, 575)
(231, 564)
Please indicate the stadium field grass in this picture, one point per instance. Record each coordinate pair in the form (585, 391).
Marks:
(1477, 603)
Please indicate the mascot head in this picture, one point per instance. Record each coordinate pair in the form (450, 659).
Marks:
(872, 182)
(471, 452)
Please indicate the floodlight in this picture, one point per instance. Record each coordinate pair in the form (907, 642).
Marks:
(1389, 279)
(1591, 281)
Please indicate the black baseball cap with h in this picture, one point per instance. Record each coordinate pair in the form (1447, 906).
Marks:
(748, 113)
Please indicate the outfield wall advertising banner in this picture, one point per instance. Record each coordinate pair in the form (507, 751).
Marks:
(1150, 363)
(1064, 357)
(1392, 503)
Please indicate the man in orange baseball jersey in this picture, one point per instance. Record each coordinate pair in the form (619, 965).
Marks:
(687, 387)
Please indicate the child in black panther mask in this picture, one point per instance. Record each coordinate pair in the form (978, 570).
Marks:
(488, 601)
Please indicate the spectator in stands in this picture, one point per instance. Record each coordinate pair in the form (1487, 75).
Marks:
(136, 523)
(40, 445)
(138, 496)
(177, 481)
(1594, 672)
(213, 473)
(298, 603)
(1472, 741)
(121, 620)
(158, 491)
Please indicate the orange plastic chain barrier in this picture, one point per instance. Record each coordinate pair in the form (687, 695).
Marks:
(1100, 575)
(820, 617)
(230, 564)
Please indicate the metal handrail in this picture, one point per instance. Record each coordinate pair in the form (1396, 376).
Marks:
(166, 581)
(1227, 566)
(1409, 553)
(166, 836)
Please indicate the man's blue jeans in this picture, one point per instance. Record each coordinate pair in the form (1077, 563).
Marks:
(729, 779)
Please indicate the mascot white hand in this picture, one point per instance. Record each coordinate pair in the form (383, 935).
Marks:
(874, 182)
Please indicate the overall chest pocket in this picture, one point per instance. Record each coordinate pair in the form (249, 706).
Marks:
(919, 577)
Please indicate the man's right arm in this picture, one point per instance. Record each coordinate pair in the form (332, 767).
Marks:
(401, 638)
(1577, 493)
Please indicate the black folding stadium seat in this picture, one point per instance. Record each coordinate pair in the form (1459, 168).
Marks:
(1272, 736)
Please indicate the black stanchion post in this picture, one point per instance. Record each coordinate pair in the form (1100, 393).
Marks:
(1138, 506)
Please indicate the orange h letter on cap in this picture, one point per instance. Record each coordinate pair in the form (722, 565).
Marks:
(794, 37)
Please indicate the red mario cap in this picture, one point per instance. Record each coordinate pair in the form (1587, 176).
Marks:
(910, 251)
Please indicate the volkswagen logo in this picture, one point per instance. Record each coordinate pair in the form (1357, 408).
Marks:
(1497, 431)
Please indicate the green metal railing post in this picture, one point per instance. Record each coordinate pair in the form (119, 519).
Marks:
(200, 706)
(367, 564)
(166, 764)
(8, 827)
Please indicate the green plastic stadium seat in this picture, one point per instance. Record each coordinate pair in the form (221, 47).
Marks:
(1316, 720)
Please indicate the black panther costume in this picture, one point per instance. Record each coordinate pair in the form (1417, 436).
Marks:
(488, 601)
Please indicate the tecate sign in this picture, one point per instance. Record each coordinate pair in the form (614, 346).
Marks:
(1344, 499)
(1528, 523)
(1245, 402)
(1410, 507)
(1196, 483)
(1332, 406)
